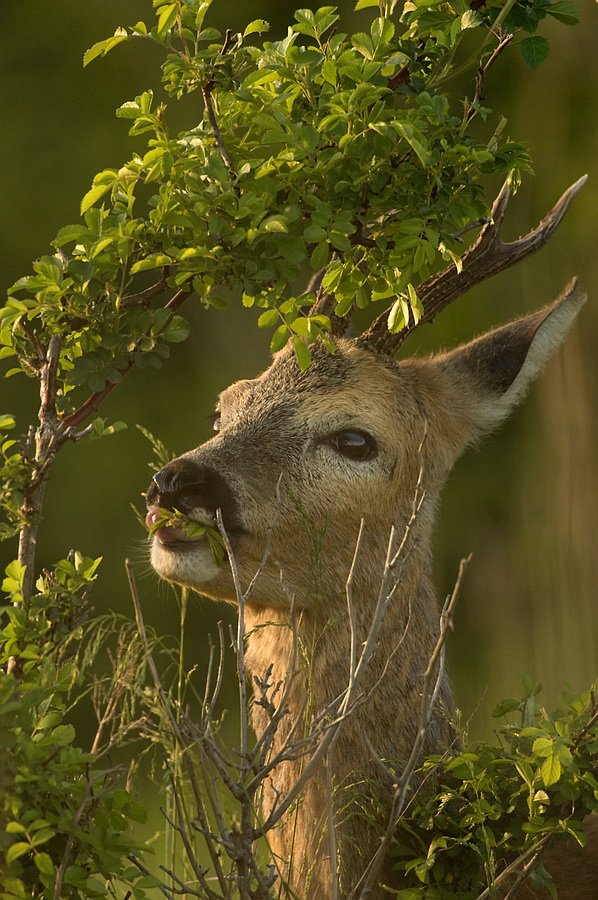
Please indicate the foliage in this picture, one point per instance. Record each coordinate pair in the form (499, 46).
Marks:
(66, 821)
(351, 153)
(494, 803)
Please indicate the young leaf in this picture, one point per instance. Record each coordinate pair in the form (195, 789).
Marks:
(258, 25)
(102, 47)
(535, 50)
(302, 353)
(565, 11)
(93, 195)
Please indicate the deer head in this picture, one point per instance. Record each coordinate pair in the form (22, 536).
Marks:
(346, 439)
(298, 460)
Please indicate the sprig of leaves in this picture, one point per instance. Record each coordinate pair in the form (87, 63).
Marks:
(173, 518)
(486, 806)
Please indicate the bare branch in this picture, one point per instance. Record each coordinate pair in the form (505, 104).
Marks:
(486, 257)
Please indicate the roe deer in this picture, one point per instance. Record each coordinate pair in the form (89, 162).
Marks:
(356, 436)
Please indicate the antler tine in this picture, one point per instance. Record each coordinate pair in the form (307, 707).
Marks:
(487, 256)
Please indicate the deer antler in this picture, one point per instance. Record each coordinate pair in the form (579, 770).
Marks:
(487, 256)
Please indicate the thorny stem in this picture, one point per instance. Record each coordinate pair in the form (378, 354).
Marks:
(169, 894)
(483, 71)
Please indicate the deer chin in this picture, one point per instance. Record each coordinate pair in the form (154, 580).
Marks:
(185, 561)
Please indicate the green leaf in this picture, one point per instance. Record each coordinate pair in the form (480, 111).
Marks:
(365, 4)
(319, 256)
(417, 308)
(414, 138)
(551, 770)
(268, 319)
(63, 734)
(167, 18)
(396, 316)
(363, 43)
(279, 338)
(44, 834)
(102, 47)
(565, 11)
(17, 850)
(176, 331)
(70, 233)
(504, 707)
(44, 864)
(471, 19)
(275, 224)
(258, 25)
(534, 50)
(382, 30)
(93, 195)
(302, 353)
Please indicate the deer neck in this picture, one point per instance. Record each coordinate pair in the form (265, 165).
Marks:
(305, 658)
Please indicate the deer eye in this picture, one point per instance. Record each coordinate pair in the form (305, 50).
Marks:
(354, 444)
(216, 422)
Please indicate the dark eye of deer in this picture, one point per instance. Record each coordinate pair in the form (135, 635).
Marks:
(354, 444)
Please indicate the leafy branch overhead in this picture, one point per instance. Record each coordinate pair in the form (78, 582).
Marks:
(349, 154)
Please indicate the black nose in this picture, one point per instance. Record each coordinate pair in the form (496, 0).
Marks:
(185, 486)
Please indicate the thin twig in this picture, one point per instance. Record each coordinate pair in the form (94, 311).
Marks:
(162, 887)
(206, 93)
(332, 842)
(144, 297)
(532, 853)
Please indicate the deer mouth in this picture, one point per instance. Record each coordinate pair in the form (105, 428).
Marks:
(174, 532)
(182, 532)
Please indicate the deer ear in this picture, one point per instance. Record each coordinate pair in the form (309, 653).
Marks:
(493, 372)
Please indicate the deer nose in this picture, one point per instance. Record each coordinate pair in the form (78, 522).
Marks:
(185, 485)
(180, 485)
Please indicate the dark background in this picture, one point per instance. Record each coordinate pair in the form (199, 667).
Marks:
(525, 503)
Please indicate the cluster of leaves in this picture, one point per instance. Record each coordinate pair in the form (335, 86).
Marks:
(174, 519)
(65, 819)
(343, 152)
(492, 803)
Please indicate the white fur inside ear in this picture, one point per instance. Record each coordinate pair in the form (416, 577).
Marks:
(547, 339)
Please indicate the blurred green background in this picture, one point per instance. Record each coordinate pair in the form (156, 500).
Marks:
(525, 503)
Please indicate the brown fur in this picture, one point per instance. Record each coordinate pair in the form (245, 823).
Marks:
(274, 453)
